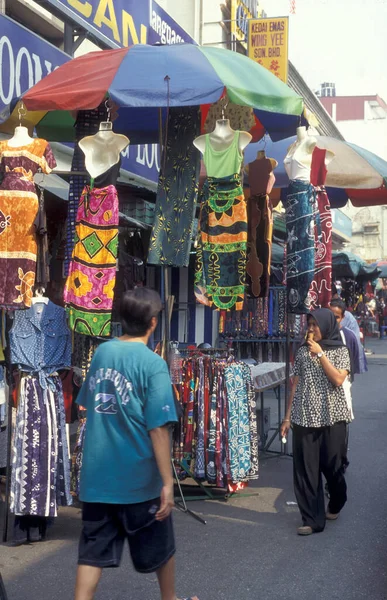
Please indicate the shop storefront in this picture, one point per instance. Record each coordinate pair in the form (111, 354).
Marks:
(237, 275)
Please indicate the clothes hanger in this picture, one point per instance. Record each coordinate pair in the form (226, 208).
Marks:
(39, 297)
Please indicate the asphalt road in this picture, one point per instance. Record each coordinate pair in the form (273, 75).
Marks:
(249, 548)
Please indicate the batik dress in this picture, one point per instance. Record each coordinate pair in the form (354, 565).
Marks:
(89, 290)
(19, 206)
(220, 275)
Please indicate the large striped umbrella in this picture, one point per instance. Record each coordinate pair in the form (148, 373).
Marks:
(143, 79)
(354, 173)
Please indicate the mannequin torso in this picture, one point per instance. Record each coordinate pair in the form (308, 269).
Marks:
(298, 160)
(102, 150)
(20, 138)
(222, 137)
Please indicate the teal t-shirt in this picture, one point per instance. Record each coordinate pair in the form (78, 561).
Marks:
(127, 393)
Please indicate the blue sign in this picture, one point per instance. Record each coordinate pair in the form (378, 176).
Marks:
(342, 223)
(142, 160)
(115, 23)
(25, 59)
(164, 30)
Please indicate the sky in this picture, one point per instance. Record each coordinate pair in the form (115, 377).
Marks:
(340, 41)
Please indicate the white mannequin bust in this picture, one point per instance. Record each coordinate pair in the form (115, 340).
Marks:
(222, 137)
(21, 137)
(298, 160)
(103, 149)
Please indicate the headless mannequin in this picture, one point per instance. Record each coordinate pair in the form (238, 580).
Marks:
(102, 150)
(298, 160)
(222, 137)
(261, 176)
(21, 137)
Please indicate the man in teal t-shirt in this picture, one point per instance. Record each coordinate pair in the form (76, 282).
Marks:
(126, 480)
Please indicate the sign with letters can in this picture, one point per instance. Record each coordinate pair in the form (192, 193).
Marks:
(115, 23)
(268, 44)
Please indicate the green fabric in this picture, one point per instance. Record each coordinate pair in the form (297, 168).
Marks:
(266, 91)
(223, 163)
(127, 393)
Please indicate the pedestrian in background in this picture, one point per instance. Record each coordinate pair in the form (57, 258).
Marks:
(319, 413)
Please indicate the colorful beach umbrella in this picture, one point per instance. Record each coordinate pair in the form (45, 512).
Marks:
(354, 173)
(143, 79)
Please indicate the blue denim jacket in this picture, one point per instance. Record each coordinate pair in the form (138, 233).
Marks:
(41, 341)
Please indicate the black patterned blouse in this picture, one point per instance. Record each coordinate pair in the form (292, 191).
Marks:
(317, 402)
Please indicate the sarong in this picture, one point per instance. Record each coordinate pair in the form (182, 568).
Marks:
(171, 239)
(260, 236)
(222, 245)
(40, 479)
(300, 256)
(90, 285)
(321, 288)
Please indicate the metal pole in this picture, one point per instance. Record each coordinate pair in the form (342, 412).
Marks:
(68, 39)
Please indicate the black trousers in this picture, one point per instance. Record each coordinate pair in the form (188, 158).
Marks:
(318, 451)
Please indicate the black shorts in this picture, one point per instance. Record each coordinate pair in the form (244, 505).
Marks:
(107, 526)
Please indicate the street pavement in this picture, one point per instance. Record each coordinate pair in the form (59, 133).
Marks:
(249, 549)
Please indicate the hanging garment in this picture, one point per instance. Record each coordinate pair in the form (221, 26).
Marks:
(238, 423)
(221, 254)
(300, 219)
(260, 235)
(40, 461)
(240, 117)
(40, 341)
(321, 287)
(87, 123)
(260, 221)
(90, 285)
(40, 344)
(18, 210)
(171, 239)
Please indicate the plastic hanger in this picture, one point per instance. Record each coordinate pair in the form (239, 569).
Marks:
(39, 297)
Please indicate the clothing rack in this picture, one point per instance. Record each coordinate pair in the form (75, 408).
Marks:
(218, 471)
(181, 502)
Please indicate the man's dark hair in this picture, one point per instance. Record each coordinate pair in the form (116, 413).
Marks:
(137, 309)
(339, 303)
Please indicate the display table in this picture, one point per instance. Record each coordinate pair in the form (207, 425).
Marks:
(269, 376)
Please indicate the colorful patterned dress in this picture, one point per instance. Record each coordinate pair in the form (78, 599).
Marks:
(89, 289)
(19, 207)
(222, 245)
(300, 254)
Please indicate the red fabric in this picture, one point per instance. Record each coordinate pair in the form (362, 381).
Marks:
(321, 288)
(80, 84)
(361, 198)
(258, 131)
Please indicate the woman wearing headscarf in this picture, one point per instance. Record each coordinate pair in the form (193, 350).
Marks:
(318, 412)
